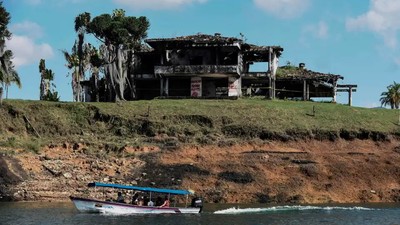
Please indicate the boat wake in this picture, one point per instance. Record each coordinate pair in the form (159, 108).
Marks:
(235, 210)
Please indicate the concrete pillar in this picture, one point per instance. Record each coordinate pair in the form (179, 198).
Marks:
(161, 86)
(270, 88)
(304, 90)
(167, 86)
(350, 95)
(334, 91)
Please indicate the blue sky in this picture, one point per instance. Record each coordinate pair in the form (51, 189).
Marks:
(356, 39)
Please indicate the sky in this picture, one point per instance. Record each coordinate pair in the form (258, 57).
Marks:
(357, 39)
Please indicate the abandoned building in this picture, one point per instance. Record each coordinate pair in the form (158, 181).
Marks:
(213, 66)
(198, 66)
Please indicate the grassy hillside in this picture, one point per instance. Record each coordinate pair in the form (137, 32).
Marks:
(169, 123)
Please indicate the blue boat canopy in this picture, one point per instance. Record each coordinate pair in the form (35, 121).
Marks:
(146, 189)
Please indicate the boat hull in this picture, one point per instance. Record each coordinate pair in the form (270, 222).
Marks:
(96, 206)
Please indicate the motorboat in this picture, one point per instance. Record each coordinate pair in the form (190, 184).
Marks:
(114, 207)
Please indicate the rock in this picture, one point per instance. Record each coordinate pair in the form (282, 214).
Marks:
(134, 182)
(65, 145)
(106, 179)
(75, 146)
(67, 175)
(52, 145)
(54, 171)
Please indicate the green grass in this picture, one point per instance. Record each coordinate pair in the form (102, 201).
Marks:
(189, 121)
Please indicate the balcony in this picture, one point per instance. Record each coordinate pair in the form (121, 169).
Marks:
(196, 69)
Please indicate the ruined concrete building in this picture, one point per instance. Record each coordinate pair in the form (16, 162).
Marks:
(200, 66)
(213, 66)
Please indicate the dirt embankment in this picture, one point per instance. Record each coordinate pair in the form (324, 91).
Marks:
(302, 171)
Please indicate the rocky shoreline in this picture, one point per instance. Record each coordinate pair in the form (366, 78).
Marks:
(301, 171)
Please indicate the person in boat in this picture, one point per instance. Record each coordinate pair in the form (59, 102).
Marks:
(159, 201)
(146, 200)
(120, 198)
(141, 201)
(150, 203)
(135, 198)
(166, 202)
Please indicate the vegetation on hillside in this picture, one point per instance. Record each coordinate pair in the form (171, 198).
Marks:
(171, 123)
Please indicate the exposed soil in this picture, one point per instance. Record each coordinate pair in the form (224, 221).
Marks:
(302, 171)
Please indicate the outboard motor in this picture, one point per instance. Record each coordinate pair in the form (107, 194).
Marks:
(197, 203)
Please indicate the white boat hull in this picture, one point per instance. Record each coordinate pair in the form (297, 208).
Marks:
(95, 206)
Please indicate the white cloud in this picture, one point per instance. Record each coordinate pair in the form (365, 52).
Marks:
(285, 9)
(29, 28)
(157, 4)
(24, 43)
(382, 18)
(320, 30)
(26, 51)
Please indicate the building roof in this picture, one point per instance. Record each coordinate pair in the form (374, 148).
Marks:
(196, 39)
(251, 52)
(297, 73)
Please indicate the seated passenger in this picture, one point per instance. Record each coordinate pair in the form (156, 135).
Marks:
(166, 202)
(150, 203)
(135, 199)
(159, 201)
(120, 198)
(141, 201)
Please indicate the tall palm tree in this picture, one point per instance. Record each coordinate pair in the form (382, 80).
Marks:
(79, 65)
(8, 74)
(81, 22)
(73, 64)
(391, 96)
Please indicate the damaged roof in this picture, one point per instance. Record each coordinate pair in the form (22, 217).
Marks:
(292, 72)
(208, 40)
(252, 52)
(257, 48)
(197, 39)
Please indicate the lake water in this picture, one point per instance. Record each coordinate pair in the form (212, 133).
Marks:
(65, 213)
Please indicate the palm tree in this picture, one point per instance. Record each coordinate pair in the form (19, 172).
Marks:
(8, 74)
(81, 22)
(391, 96)
(73, 64)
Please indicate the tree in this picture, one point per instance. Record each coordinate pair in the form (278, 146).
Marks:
(81, 21)
(121, 35)
(95, 65)
(47, 87)
(8, 74)
(73, 64)
(391, 96)
(80, 64)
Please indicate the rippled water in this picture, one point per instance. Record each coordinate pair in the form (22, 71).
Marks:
(65, 213)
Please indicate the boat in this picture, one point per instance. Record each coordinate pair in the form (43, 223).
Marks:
(87, 205)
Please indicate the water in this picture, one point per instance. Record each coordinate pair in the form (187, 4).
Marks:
(65, 213)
